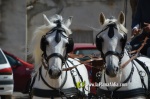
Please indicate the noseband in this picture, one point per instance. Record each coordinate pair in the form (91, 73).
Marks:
(119, 55)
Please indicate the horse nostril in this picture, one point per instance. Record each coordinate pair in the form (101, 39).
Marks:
(117, 69)
(107, 72)
(59, 73)
(50, 71)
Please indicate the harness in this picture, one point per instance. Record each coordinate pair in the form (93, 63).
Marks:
(69, 93)
(121, 94)
(115, 94)
(148, 74)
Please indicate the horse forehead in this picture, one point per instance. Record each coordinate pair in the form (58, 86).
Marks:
(111, 41)
(107, 32)
(116, 33)
(51, 38)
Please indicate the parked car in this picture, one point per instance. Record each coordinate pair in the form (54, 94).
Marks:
(85, 49)
(21, 71)
(6, 77)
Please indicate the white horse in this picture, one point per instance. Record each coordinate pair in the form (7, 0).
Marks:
(120, 81)
(52, 78)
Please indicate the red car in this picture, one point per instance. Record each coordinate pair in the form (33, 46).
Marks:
(86, 50)
(21, 72)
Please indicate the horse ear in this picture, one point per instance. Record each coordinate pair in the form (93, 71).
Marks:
(69, 21)
(121, 18)
(102, 18)
(46, 21)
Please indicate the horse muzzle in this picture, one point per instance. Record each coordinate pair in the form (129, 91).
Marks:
(54, 73)
(111, 72)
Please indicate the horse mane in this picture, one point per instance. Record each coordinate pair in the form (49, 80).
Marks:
(120, 26)
(35, 49)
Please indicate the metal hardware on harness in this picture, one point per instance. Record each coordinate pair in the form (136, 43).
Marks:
(74, 73)
(98, 76)
(148, 74)
(142, 73)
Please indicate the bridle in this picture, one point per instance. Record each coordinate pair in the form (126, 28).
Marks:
(99, 41)
(45, 58)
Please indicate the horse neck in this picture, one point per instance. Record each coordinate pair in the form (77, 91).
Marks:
(124, 72)
(127, 69)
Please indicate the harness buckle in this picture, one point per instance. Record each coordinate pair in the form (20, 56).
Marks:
(98, 76)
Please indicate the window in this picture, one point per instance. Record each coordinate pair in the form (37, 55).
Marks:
(2, 59)
(11, 60)
(87, 52)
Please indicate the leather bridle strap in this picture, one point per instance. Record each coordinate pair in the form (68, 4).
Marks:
(56, 55)
(119, 55)
(112, 53)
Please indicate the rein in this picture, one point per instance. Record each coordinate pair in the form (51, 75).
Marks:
(109, 52)
(84, 62)
(135, 51)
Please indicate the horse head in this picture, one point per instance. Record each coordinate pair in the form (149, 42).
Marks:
(110, 41)
(54, 44)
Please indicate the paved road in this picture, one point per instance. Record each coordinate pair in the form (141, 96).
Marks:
(18, 95)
